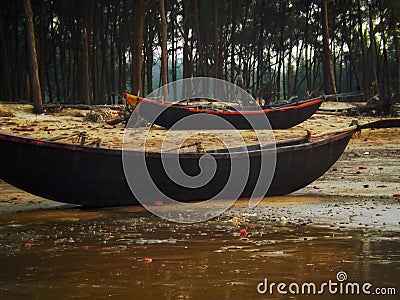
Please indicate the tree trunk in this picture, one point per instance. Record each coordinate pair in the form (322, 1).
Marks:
(198, 38)
(33, 65)
(27, 89)
(5, 83)
(349, 45)
(397, 54)
(289, 66)
(17, 80)
(329, 78)
(173, 43)
(42, 50)
(137, 46)
(164, 53)
(63, 78)
(90, 9)
(282, 80)
(123, 45)
(307, 61)
(54, 58)
(113, 32)
(260, 48)
(232, 45)
(296, 85)
(85, 91)
(149, 55)
(374, 79)
(187, 63)
(385, 86)
(363, 51)
(215, 41)
(93, 61)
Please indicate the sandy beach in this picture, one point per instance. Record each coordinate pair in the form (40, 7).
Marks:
(346, 222)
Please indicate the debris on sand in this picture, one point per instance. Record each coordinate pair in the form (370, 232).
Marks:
(23, 128)
(5, 112)
(104, 115)
(155, 241)
(98, 115)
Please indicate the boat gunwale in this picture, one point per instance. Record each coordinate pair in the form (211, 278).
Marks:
(302, 143)
(310, 102)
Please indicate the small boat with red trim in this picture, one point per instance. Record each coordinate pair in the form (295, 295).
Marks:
(240, 117)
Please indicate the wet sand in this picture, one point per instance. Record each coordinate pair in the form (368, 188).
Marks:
(348, 220)
(126, 253)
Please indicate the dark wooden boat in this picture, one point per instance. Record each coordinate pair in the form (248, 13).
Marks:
(95, 176)
(241, 117)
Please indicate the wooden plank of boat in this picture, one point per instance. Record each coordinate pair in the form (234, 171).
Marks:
(95, 176)
(166, 115)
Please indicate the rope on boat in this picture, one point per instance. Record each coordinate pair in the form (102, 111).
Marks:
(197, 144)
(96, 143)
(63, 136)
(80, 138)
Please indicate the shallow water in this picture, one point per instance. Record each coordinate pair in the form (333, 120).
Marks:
(127, 253)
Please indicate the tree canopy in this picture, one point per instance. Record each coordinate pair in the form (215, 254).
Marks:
(92, 51)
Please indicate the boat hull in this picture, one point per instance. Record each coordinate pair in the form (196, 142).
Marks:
(167, 115)
(95, 176)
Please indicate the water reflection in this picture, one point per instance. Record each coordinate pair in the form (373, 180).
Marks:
(128, 253)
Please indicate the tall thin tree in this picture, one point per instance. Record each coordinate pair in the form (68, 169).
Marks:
(329, 78)
(137, 46)
(33, 64)
(164, 53)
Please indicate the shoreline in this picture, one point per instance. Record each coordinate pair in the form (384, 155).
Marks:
(366, 175)
(350, 212)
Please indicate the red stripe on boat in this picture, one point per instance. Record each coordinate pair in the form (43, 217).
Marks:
(208, 111)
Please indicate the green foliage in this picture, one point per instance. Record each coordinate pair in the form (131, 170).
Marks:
(256, 39)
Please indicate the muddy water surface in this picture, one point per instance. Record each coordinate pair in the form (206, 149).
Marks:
(127, 253)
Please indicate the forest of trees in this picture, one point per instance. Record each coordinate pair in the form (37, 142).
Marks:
(91, 51)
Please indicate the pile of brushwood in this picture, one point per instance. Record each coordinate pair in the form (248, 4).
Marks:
(376, 106)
